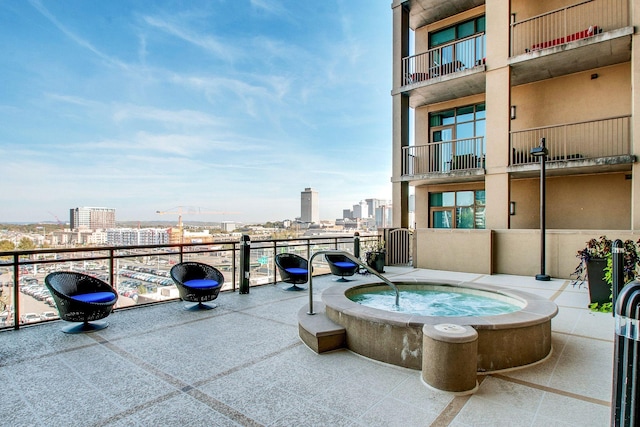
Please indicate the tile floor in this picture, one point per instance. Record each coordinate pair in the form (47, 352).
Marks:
(243, 364)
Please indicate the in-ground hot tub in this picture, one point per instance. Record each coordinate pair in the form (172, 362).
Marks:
(505, 341)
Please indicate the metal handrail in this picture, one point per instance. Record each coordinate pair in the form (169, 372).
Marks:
(18, 259)
(357, 261)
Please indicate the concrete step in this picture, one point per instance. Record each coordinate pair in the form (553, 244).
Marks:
(318, 332)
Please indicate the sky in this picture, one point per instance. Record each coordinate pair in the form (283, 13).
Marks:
(225, 106)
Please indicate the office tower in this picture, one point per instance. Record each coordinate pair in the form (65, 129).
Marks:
(309, 206)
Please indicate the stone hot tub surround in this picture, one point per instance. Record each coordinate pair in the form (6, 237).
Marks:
(504, 341)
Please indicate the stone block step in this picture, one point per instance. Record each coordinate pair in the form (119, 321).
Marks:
(318, 332)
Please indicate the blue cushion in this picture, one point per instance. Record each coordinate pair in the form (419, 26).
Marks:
(202, 283)
(295, 270)
(344, 264)
(95, 297)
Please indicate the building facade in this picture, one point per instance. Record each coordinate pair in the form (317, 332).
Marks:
(479, 84)
(92, 218)
(310, 206)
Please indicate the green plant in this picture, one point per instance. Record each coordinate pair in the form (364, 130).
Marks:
(374, 246)
(601, 249)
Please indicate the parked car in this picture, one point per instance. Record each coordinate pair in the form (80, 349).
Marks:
(49, 315)
(29, 318)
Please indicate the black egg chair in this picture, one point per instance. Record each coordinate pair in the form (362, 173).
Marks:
(197, 282)
(341, 266)
(81, 298)
(293, 269)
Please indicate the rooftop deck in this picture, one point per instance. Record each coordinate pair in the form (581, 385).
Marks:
(244, 364)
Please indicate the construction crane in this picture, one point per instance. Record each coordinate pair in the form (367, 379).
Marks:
(57, 219)
(189, 210)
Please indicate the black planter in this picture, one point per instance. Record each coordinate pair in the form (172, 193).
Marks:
(375, 260)
(599, 290)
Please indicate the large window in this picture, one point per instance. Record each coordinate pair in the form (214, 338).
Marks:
(458, 47)
(457, 32)
(457, 209)
(465, 127)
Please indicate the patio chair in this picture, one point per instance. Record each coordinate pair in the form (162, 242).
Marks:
(293, 269)
(197, 282)
(81, 298)
(341, 266)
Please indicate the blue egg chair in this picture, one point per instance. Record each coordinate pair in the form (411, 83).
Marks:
(82, 299)
(341, 266)
(197, 282)
(293, 269)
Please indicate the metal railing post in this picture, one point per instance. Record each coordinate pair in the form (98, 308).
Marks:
(16, 291)
(617, 269)
(625, 410)
(245, 255)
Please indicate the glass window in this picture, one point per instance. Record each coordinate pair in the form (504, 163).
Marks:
(443, 199)
(480, 111)
(456, 32)
(442, 36)
(442, 219)
(472, 115)
(465, 114)
(442, 118)
(481, 24)
(465, 217)
(461, 209)
(464, 198)
(466, 29)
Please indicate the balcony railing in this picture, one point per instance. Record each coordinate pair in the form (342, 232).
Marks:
(571, 23)
(446, 59)
(443, 157)
(574, 141)
(140, 274)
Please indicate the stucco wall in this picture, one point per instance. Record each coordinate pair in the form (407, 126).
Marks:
(506, 251)
(600, 201)
(454, 250)
(573, 98)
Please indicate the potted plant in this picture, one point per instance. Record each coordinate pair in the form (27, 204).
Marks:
(595, 268)
(375, 255)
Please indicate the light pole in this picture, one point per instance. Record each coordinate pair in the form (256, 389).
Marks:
(542, 152)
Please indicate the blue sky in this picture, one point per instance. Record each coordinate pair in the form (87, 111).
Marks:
(224, 105)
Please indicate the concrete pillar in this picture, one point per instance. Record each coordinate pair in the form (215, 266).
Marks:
(400, 116)
(635, 113)
(450, 357)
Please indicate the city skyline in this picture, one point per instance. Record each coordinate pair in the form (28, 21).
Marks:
(228, 106)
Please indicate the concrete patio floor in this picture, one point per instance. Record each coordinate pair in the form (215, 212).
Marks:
(244, 364)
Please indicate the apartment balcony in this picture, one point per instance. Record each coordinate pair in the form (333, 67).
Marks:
(584, 147)
(450, 71)
(583, 36)
(447, 161)
(423, 12)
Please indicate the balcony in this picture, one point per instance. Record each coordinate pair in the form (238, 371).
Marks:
(590, 146)
(423, 12)
(586, 35)
(447, 161)
(140, 274)
(450, 71)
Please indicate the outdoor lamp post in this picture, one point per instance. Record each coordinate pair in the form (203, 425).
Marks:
(542, 152)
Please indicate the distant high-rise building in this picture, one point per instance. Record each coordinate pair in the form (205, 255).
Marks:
(309, 206)
(92, 218)
(361, 210)
(373, 205)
